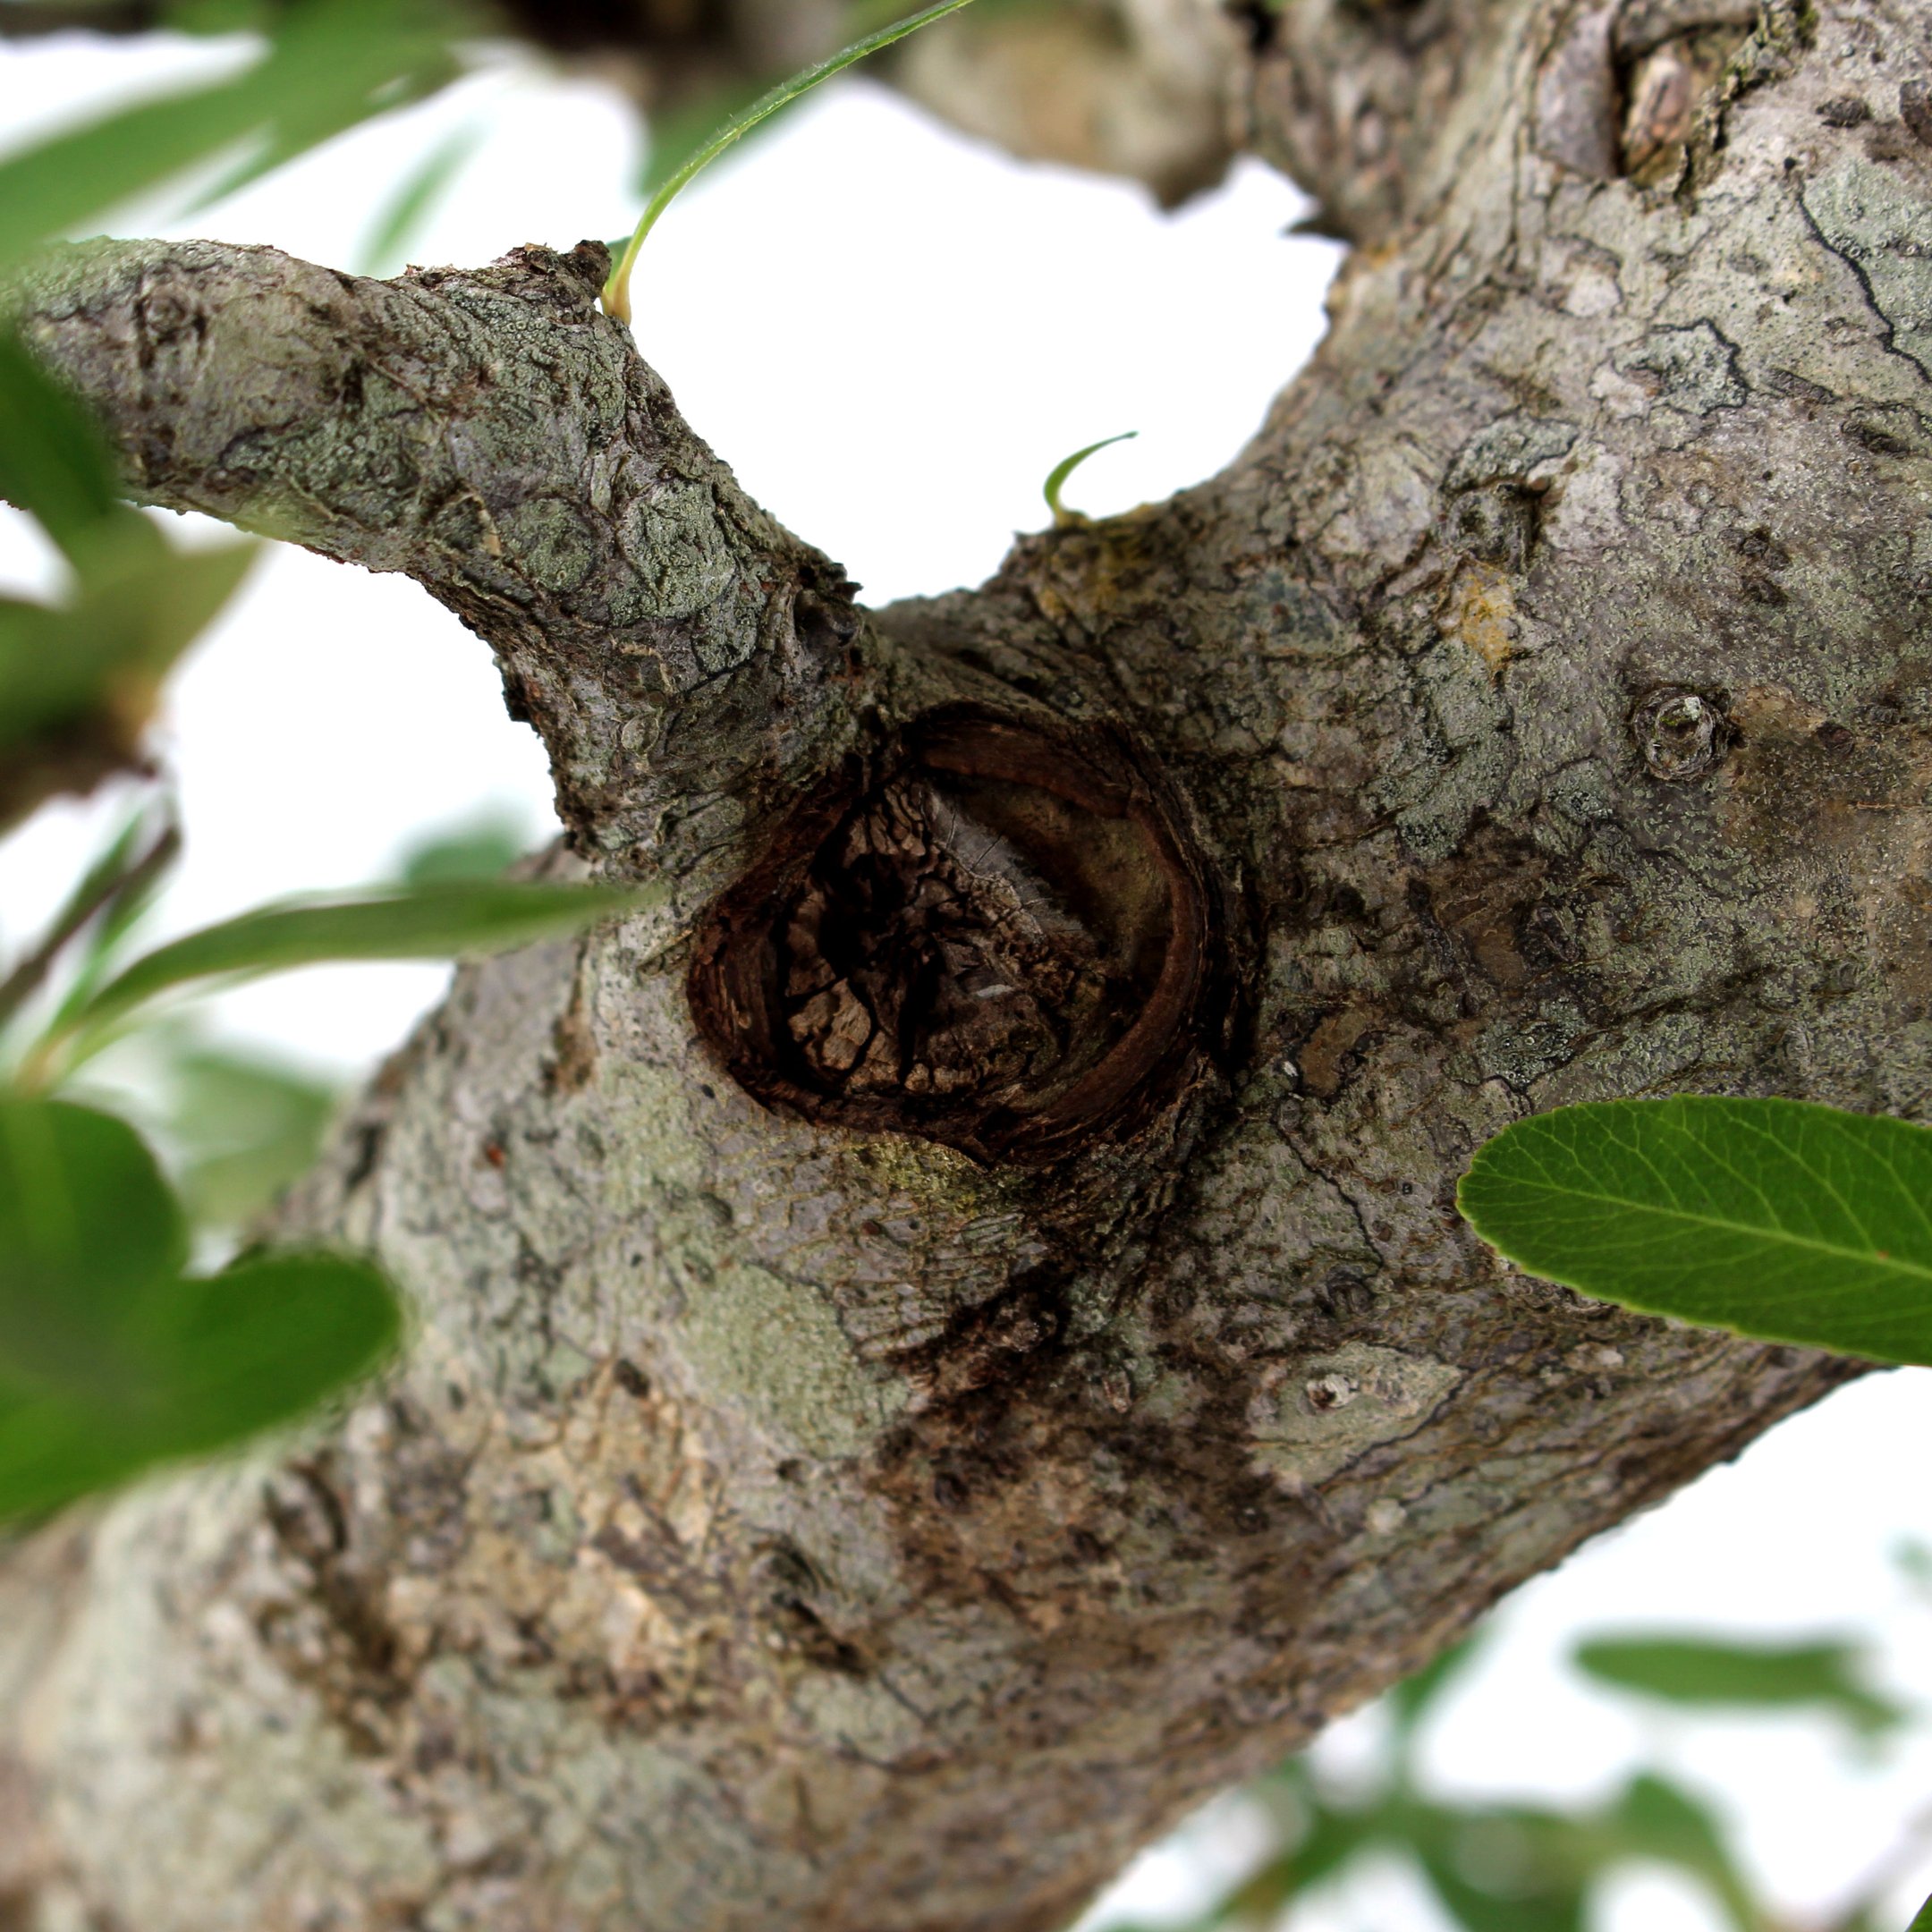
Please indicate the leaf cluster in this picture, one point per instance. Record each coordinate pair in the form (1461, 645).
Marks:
(113, 1355)
(1532, 1868)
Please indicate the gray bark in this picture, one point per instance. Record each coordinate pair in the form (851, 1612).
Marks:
(955, 1340)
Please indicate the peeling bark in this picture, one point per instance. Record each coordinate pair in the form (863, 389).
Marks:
(793, 1517)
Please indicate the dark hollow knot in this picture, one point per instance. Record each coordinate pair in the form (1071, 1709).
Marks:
(997, 939)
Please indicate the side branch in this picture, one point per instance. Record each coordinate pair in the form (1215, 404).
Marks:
(494, 436)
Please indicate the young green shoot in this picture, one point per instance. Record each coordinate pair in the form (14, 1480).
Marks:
(617, 290)
(1062, 517)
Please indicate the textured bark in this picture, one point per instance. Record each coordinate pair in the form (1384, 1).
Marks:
(786, 1520)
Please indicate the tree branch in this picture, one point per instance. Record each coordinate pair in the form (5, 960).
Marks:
(495, 437)
(959, 1342)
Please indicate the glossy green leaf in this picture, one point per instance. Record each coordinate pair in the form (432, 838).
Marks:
(1923, 1922)
(1775, 1219)
(432, 922)
(1729, 1675)
(110, 1361)
(210, 1363)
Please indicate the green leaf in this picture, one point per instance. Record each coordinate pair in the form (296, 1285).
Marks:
(139, 605)
(1062, 471)
(113, 889)
(617, 290)
(1415, 1696)
(53, 461)
(398, 222)
(138, 602)
(1659, 1821)
(1502, 1870)
(483, 847)
(87, 1227)
(430, 922)
(238, 1126)
(71, 179)
(210, 1363)
(1923, 1922)
(110, 1361)
(1708, 1674)
(677, 134)
(1775, 1219)
(337, 63)
(331, 65)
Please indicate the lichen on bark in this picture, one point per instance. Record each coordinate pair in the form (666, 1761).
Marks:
(791, 1517)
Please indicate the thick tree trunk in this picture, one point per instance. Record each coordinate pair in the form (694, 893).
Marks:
(956, 1342)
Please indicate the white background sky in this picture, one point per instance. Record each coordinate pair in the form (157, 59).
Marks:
(893, 334)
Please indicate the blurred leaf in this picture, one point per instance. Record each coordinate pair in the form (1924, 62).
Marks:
(1331, 1839)
(210, 1363)
(111, 893)
(398, 223)
(1776, 1218)
(1710, 1674)
(53, 461)
(1659, 1821)
(331, 65)
(481, 848)
(432, 922)
(239, 1127)
(1913, 1559)
(139, 605)
(1411, 1700)
(1062, 471)
(1501, 1868)
(87, 1227)
(111, 1361)
(1923, 1922)
(95, 661)
(71, 179)
(337, 63)
(1523, 1868)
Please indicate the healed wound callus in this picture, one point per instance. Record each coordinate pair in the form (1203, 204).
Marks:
(999, 937)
